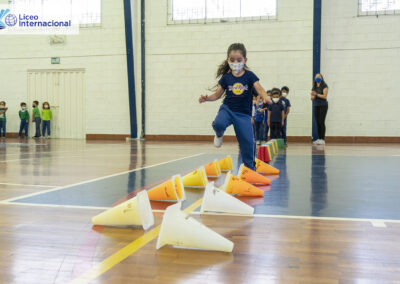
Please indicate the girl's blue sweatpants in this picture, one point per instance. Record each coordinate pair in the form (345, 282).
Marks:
(243, 129)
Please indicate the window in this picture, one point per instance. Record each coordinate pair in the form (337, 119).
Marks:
(200, 11)
(378, 7)
(87, 11)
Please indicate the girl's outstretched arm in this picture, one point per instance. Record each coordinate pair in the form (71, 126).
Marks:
(261, 92)
(218, 93)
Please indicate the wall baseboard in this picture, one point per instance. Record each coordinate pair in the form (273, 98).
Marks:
(107, 136)
(298, 139)
(231, 138)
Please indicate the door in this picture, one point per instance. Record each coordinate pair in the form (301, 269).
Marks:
(65, 90)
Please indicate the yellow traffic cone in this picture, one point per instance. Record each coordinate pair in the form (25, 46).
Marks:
(198, 178)
(133, 212)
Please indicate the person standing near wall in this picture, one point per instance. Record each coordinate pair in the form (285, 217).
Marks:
(319, 96)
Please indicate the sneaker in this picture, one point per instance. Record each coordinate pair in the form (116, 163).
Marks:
(217, 141)
(258, 142)
(316, 142)
(321, 142)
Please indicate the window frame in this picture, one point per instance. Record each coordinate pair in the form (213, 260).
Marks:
(83, 26)
(170, 20)
(361, 13)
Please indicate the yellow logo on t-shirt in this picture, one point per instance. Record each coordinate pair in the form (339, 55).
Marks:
(238, 89)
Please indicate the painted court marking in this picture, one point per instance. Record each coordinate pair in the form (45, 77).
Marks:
(31, 185)
(126, 251)
(96, 179)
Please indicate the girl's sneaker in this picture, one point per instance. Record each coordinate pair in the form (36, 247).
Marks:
(217, 141)
(321, 142)
(316, 142)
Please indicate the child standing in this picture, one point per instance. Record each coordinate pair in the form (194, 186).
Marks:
(286, 107)
(36, 118)
(258, 120)
(46, 117)
(276, 115)
(236, 81)
(24, 116)
(265, 109)
(3, 119)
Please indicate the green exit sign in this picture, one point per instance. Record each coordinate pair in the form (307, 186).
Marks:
(55, 60)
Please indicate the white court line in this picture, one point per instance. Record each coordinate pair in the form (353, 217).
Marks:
(66, 206)
(96, 179)
(55, 205)
(377, 221)
(31, 185)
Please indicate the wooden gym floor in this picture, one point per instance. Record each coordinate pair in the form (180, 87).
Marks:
(330, 217)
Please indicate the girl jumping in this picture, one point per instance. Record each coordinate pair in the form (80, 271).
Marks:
(236, 81)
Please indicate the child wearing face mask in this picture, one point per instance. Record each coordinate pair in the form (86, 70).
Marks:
(236, 81)
(265, 109)
(286, 107)
(258, 120)
(3, 119)
(24, 116)
(276, 115)
(36, 118)
(46, 117)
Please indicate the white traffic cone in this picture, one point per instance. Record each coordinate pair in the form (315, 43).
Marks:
(133, 212)
(178, 229)
(217, 200)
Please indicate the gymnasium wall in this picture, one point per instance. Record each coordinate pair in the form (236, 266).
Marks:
(100, 51)
(182, 59)
(361, 64)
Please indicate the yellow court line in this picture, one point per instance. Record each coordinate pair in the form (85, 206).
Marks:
(126, 251)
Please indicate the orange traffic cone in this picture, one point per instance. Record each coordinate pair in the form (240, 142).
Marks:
(251, 176)
(235, 185)
(264, 168)
(171, 190)
(213, 169)
(226, 164)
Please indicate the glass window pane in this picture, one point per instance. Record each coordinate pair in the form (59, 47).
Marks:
(379, 5)
(258, 8)
(188, 9)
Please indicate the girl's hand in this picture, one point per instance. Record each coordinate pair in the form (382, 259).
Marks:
(203, 99)
(283, 123)
(269, 124)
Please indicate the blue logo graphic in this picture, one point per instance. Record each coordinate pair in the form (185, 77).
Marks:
(11, 20)
(2, 14)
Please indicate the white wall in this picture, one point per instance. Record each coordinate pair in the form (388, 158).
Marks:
(361, 64)
(100, 51)
(182, 62)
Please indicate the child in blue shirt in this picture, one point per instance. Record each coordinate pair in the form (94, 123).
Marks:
(3, 119)
(286, 107)
(265, 109)
(258, 120)
(276, 115)
(236, 81)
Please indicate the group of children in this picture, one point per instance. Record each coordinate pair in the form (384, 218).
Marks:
(39, 118)
(271, 117)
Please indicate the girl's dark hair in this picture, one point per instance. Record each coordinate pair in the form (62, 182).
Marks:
(46, 103)
(2, 103)
(23, 104)
(315, 83)
(275, 91)
(36, 102)
(224, 68)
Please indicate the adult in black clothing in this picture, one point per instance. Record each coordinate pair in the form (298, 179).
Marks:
(319, 96)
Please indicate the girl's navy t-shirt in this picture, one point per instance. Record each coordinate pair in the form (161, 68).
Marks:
(238, 96)
(320, 90)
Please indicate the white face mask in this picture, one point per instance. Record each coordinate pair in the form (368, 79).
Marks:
(285, 94)
(236, 67)
(23, 108)
(275, 100)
